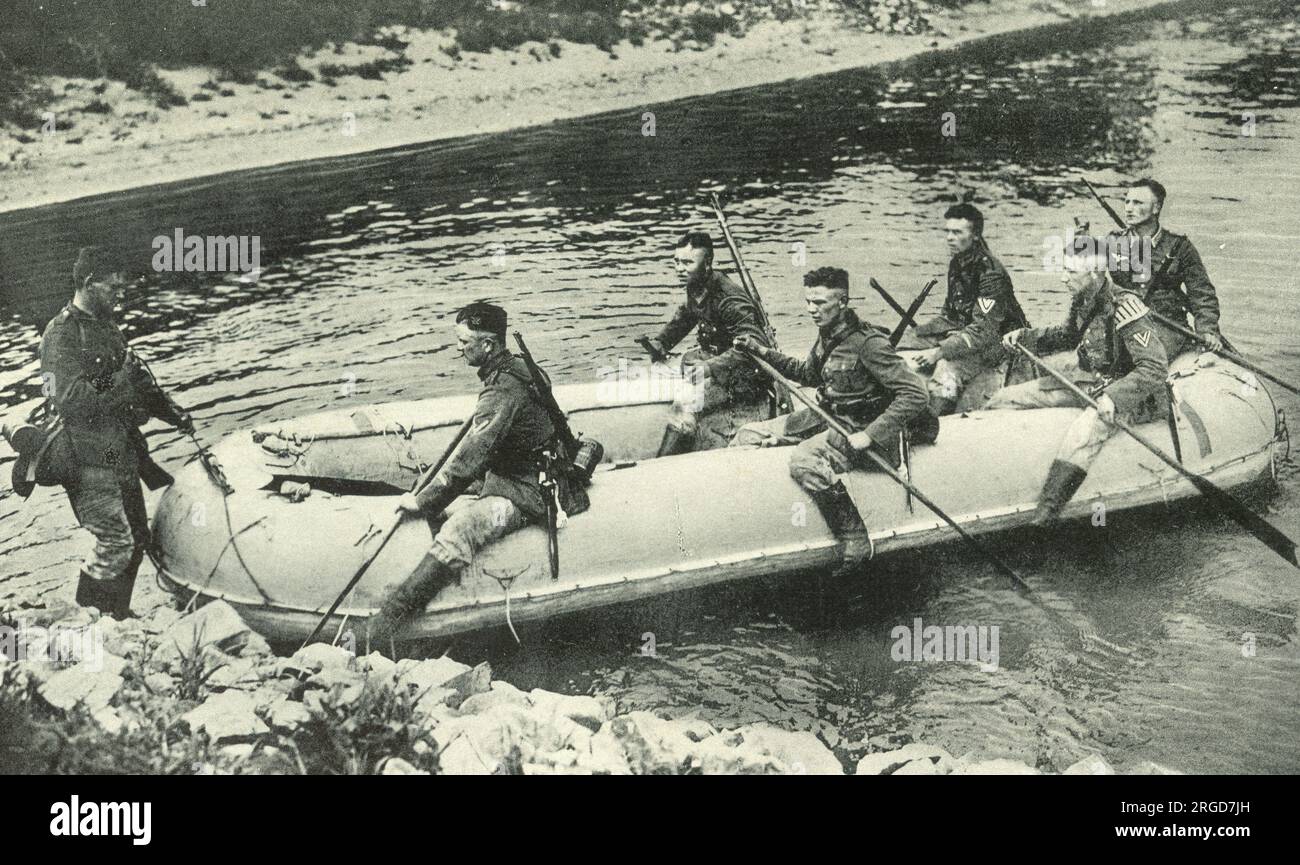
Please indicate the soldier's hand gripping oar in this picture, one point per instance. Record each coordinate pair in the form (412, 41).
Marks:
(1262, 529)
(396, 521)
(1086, 635)
(1222, 352)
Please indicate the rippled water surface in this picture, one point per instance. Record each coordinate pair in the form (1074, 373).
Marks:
(570, 225)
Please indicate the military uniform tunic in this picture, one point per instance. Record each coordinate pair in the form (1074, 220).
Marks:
(507, 434)
(1178, 286)
(860, 379)
(1117, 353)
(103, 400)
(980, 307)
(717, 378)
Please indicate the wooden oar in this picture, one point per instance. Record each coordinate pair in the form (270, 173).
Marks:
(1222, 352)
(1086, 635)
(398, 516)
(1262, 529)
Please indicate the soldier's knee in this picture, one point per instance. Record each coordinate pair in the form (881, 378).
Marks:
(811, 471)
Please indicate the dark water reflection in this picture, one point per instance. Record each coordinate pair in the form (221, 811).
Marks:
(569, 226)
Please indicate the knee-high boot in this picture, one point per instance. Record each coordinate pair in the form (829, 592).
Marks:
(1063, 481)
(408, 599)
(841, 515)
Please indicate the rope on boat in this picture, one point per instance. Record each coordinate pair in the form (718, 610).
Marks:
(505, 582)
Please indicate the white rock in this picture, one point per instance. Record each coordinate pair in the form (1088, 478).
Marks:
(322, 656)
(398, 766)
(109, 720)
(460, 758)
(377, 666)
(1093, 764)
(1000, 766)
(1149, 768)
(91, 684)
(227, 715)
(801, 752)
(587, 711)
(500, 694)
(918, 767)
(289, 715)
(159, 683)
(888, 762)
(232, 672)
(215, 624)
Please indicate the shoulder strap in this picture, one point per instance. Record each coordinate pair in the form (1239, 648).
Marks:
(835, 342)
(1175, 248)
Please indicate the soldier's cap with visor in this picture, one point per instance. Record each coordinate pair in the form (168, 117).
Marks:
(483, 317)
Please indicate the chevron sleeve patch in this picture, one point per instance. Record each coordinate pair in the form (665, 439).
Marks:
(1128, 310)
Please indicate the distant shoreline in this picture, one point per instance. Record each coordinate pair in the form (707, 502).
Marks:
(436, 98)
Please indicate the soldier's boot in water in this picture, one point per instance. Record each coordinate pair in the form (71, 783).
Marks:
(408, 599)
(841, 515)
(676, 442)
(1063, 481)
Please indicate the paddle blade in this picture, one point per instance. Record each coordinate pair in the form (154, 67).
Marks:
(1266, 532)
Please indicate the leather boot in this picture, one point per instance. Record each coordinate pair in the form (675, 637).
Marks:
(675, 443)
(1063, 481)
(94, 593)
(408, 599)
(841, 515)
(120, 590)
(942, 405)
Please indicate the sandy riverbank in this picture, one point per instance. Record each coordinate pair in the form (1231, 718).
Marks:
(119, 139)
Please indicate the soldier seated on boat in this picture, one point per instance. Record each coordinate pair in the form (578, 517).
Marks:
(860, 379)
(1119, 360)
(104, 394)
(980, 307)
(718, 379)
(503, 448)
(1172, 280)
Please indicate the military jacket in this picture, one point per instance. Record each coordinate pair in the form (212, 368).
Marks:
(102, 399)
(980, 306)
(859, 377)
(1178, 284)
(721, 311)
(1116, 341)
(507, 434)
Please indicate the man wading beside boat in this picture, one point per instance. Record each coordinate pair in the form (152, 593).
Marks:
(718, 378)
(980, 307)
(504, 447)
(104, 394)
(1174, 282)
(860, 379)
(1120, 362)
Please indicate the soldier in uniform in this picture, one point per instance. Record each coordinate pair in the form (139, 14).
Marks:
(860, 379)
(1174, 282)
(104, 394)
(1121, 363)
(717, 377)
(503, 448)
(980, 307)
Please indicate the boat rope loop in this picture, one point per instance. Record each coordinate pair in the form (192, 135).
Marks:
(505, 581)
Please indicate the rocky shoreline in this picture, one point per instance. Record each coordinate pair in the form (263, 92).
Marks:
(201, 693)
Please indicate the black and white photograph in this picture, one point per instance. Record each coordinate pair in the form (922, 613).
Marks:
(647, 387)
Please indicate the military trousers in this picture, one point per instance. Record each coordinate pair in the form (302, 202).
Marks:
(1086, 434)
(949, 379)
(819, 455)
(110, 505)
(473, 526)
(719, 399)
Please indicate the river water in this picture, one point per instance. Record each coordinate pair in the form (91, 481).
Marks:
(571, 226)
